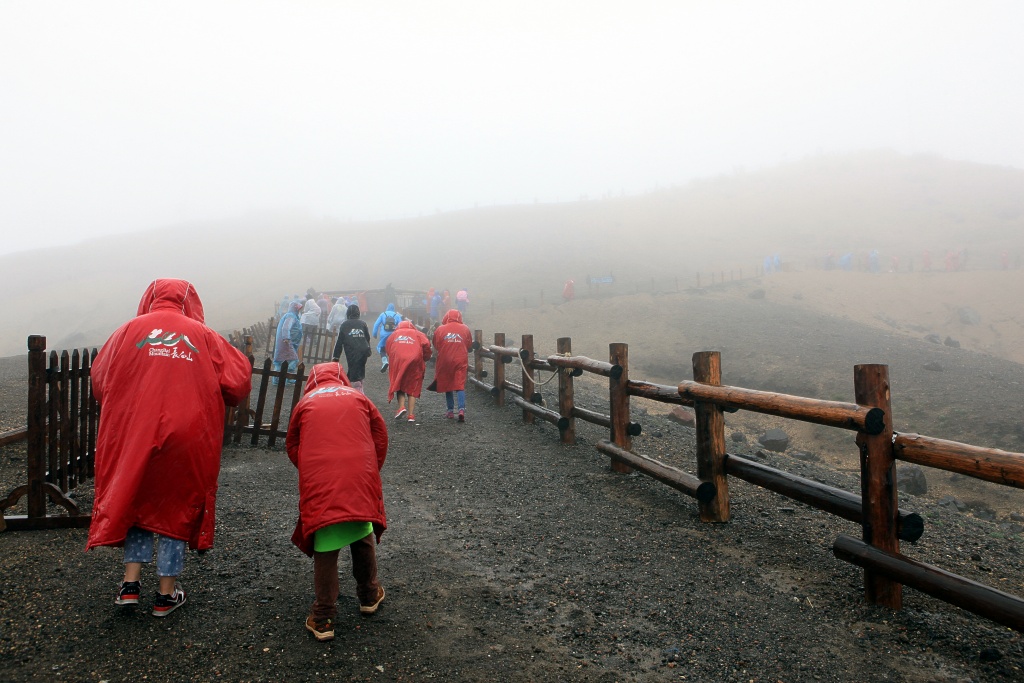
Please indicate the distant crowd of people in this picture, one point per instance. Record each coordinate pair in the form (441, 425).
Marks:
(952, 260)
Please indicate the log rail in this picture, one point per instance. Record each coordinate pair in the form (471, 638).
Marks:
(883, 524)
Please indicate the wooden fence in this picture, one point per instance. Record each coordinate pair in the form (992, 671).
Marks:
(275, 387)
(61, 437)
(883, 524)
(63, 418)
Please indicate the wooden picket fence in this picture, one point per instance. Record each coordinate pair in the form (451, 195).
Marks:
(275, 387)
(63, 418)
(61, 437)
(883, 524)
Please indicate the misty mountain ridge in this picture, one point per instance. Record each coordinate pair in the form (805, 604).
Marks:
(901, 205)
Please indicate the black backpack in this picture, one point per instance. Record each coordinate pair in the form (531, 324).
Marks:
(390, 321)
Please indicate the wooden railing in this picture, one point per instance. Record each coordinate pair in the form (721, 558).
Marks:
(883, 524)
(61, 437)
(63, 418)
(272, 390)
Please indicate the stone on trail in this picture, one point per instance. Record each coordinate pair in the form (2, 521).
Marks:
(951, 343)
(953, 502)
(910, 479)
(933, 366)
(774, 440)
(684, 416)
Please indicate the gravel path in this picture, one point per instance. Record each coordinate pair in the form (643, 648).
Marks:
(512, 558)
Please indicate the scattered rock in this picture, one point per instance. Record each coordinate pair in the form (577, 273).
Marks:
(774, 440)
(911, 479)
(934, 366)
(804, 455)
(1017, 517)
(952, 343)
(983, 511)
(682, 415)
(953, 502)
(656, 434)
(757, 294)
(738, 437)
(969, 316)
(798, 296)
(990, 654)
(933, 338)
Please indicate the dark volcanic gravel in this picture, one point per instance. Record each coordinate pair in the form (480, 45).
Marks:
(511, 558)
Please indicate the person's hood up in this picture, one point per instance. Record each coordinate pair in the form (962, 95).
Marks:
(323, 374)
(406, 325)
(391, 308)
(175, 294)
(310, 307)
(295, 307)
(353, 312)
(452, 316)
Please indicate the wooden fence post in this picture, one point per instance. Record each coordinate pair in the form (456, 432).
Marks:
(36, 426)
(565, 393)
(710, 426)
(618, 401)
(499, 371)
(529, 387)
(878, 482)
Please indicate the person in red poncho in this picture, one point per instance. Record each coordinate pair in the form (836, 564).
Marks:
(162, 380)
(411, 350)
(338, 441)
(453, 342)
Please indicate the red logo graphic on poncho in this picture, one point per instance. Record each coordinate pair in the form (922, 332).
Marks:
(168, 345)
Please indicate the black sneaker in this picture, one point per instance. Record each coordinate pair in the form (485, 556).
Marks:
(165, 604)
(129, 593)
(384, 368)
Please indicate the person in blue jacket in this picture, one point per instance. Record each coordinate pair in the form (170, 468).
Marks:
(385, 325)
(289, 336)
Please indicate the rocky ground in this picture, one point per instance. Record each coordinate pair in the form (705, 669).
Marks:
(512, 558)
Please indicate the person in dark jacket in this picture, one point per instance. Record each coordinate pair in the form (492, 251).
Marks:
(354, 338)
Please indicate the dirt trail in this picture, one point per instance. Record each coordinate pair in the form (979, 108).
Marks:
(508, 558)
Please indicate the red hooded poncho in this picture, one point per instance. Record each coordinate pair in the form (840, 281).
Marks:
(408, 351)
(453, 342)
(338, 441)
(162, 380)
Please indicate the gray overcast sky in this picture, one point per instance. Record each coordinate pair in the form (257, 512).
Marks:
(122, 116)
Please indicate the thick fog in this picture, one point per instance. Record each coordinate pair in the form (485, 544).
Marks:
(118, 117)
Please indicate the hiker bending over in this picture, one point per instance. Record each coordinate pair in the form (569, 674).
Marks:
(338, 441)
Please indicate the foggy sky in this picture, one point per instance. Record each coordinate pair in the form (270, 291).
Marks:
(124, 116)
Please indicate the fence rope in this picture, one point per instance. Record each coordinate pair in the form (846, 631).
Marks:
(536, 384)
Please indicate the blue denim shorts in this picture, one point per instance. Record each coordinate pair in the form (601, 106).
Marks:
(170, 553)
